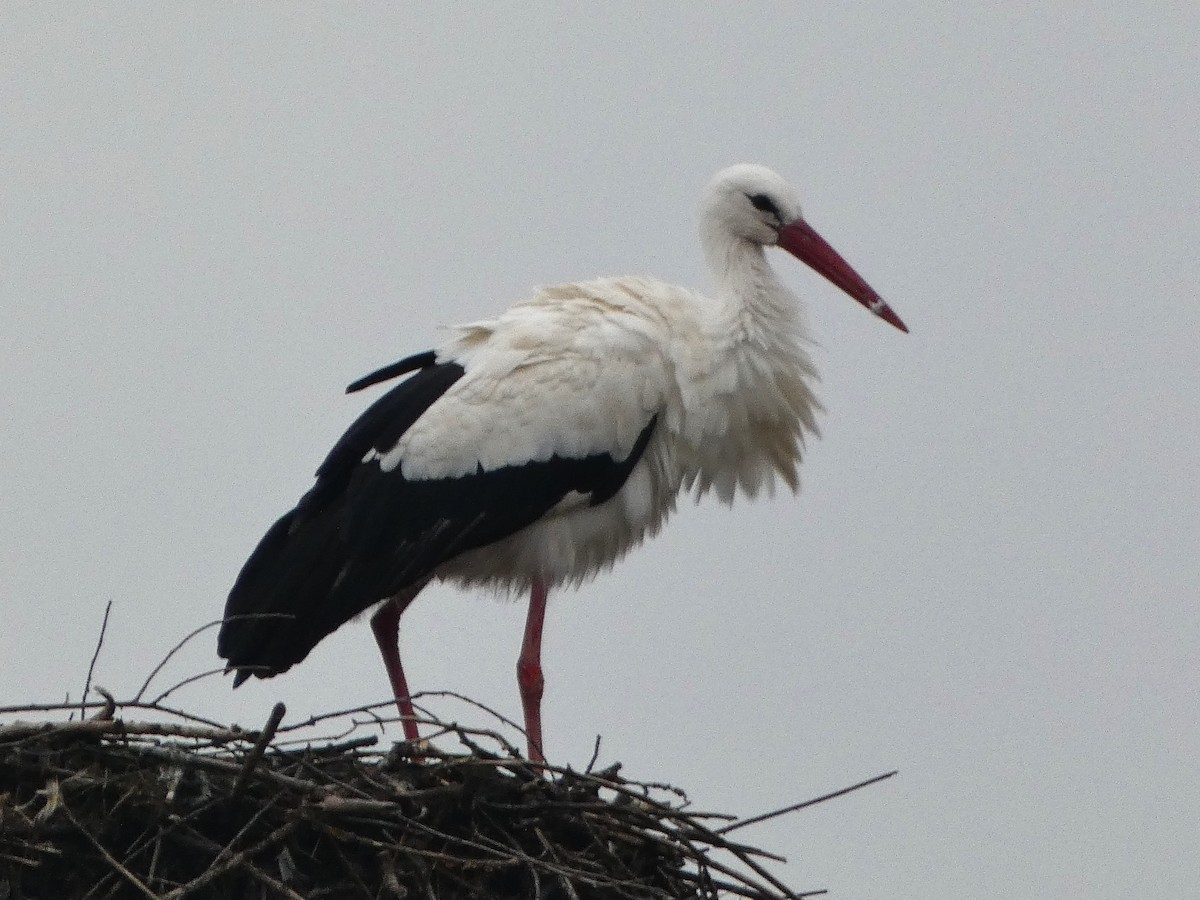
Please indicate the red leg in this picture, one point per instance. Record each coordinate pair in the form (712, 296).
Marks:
(386, 626)
(529, 670)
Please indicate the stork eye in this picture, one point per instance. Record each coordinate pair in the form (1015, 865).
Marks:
(765, 204)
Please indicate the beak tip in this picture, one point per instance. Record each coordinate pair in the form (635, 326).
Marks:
(886, 313)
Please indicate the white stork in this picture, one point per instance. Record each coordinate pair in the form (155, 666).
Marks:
(536, 448)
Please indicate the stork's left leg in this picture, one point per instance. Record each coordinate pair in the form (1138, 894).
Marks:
(529, 670)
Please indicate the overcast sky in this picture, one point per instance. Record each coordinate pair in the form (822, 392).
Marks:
(215, 216)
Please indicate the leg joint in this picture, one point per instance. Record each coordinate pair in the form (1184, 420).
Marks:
(530, 680)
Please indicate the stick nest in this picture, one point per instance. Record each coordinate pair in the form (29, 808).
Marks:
(107, 807)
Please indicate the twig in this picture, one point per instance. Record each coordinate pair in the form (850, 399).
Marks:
(21, 730)
(110, 706)
(166, 659)
(220, 670)
(504, 720)
(595, 755)
(566, 881)
(177, 713)
(194, 837)
(312, 721)
(203, 628)
(795, 806)
(108, 857)
(683, 821)
(300, 785)
(336, 746)
(730, 887)
(713, 838)
(671, 840)
(87, 684)
(20, 860)
(237, 859)
(259, 748)
(150, 876)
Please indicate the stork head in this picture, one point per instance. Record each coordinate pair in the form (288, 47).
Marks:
(754, 204)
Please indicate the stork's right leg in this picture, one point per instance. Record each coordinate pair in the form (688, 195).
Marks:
(529, 670)
(386, 626)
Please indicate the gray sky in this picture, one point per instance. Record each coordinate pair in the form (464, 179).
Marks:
(214, 217)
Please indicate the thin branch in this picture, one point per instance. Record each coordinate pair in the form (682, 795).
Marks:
(220, 670)
(192, 836)
(237, 859)
(795, 806)
(87, 684)
(259, 748)
(108, 857)
(595, 755)
(166, 659)
(21, 730)
(110, 706)
(68, 706)
(203, 628)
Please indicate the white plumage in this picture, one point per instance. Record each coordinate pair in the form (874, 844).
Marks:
(536, 448)
(601, 358)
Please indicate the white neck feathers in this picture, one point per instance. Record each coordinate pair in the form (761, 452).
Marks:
(758, 403)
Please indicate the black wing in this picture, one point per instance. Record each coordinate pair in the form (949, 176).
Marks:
(362, 535)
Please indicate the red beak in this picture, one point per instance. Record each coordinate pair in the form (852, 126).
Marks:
(799, 239)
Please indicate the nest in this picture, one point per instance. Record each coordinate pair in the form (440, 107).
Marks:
(182, 806)
(108, 807)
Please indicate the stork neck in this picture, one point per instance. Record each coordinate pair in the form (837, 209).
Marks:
(747, 285)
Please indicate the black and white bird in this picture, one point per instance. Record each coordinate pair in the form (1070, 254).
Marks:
(534, 449)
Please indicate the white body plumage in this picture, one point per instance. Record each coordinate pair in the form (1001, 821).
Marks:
(581, 369)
